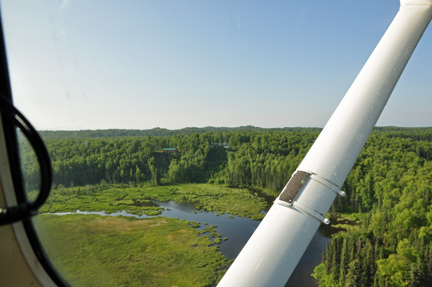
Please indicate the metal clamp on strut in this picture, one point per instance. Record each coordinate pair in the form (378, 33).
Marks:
(327, 183)
(291, 191)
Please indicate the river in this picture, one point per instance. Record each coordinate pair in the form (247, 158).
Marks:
(238, 230)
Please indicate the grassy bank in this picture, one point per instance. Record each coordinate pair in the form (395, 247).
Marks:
(92, 250)
(136, 199)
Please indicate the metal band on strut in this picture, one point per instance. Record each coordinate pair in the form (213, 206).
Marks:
(327, 183)
(291, 191)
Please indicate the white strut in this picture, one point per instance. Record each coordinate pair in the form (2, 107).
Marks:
(273, 251)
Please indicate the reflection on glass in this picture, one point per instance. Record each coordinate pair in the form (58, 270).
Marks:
(29, 167)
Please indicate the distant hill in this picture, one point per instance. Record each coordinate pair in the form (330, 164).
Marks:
(418, 134)
(423, 133)
(160, 132)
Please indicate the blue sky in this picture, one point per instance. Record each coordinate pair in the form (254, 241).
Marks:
(139, 64)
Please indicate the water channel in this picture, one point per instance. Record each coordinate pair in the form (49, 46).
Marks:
(238, 230)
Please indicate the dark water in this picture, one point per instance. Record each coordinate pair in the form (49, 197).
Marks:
(238, 230)
(311, 258)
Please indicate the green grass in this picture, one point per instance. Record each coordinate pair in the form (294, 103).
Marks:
(217, 198)
(92, 250)
(111, 198)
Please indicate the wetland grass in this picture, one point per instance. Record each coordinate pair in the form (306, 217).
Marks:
(93, 250)
(136, 199)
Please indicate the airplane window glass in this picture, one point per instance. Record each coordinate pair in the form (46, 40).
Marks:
(163, 120)
(29, 167)
(132, 204)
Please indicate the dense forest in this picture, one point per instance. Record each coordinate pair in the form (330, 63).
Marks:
(388, 190)
(263, 159)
